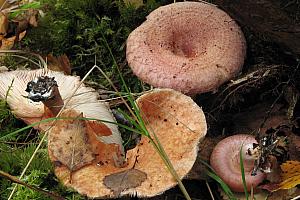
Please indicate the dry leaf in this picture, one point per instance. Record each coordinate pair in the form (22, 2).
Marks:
(29, 17)
(124, 180)
(60, 63)
(69, 142)
(7, 43)
(3, 23)
(284, 194)
(104, 153)
(290, 174)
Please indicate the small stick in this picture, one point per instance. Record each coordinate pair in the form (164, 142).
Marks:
(16, 180)
(210, 192)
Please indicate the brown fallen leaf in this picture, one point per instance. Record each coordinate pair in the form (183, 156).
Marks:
(104, 153)
(60, 63)
(3, 23)
(69, 142)
(26, 19)
(290, 174)
(7, 43)
(124, 180)
(285, 194)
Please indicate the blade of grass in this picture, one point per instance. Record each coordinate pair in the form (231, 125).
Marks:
(130, 119)
(223, 185)
(211, 173)
(243, 173)
(130, 97)
(64, 118)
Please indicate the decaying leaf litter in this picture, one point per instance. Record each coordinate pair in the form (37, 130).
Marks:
(269, 76)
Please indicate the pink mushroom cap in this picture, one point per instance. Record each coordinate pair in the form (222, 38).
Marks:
(225, 160)
(191, 47)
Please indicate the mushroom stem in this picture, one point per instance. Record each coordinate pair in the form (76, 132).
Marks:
(45, 89)
(56, 103)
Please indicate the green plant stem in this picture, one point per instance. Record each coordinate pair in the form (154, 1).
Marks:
(243, 173)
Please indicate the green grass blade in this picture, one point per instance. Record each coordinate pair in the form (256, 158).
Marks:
(223, 185)
(64, 118)
(130, 119)
(211, 173)
(243, 173)
(129, 97)
(22, 8)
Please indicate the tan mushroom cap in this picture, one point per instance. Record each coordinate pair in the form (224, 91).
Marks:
(178, 123)
(191, 47)
(84, 101)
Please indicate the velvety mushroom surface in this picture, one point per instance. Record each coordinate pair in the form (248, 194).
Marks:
(191, 47)
(178, 123)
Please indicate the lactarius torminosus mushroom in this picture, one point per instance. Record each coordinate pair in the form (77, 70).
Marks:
(54, 89)
(225, 160)
(191, 47)
(178, 123)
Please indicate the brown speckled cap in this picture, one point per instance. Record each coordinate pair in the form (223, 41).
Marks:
(191, 47)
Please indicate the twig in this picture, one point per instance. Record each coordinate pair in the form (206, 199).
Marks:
(279, 96)
(17, 181)
(295, 198)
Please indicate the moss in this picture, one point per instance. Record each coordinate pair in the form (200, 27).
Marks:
(77, 27)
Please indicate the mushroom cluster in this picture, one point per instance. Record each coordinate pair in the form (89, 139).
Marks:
(191, 47)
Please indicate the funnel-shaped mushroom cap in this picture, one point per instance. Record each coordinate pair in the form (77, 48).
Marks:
(191, 47)
(178, 123)
(14, 83)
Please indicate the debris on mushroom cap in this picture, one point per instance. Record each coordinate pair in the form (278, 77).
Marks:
(191, 47)
(73, 143)
(178, 123)
(85, 100)
(225, 160)
(41, 88)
